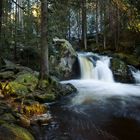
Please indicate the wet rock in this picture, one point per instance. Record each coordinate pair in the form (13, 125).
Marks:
(43, 119)
(121, 71)
(24, 121)
(67, 89)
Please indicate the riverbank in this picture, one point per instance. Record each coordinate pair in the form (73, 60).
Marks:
(22, 103)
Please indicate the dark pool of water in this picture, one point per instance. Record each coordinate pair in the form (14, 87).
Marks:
(112, 118)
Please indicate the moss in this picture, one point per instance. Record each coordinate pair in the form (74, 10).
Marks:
(27, 79)
(14, 132)
(18, 88)
(46, 98)
(45, 83)
(129, 59)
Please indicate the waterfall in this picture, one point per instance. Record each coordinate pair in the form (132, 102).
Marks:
(100, 71)
(136, 75)
(86, 67)
(97, 80)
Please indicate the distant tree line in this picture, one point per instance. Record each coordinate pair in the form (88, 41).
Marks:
(23, 24)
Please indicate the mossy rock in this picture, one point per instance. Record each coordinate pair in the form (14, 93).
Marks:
(14, 132)
(28, 80)
(129, 59)
(19, 88)
(44, 84)
(45, 98)
(121, 71)
(7, 75)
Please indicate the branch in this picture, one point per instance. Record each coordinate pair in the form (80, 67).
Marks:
(18, 5)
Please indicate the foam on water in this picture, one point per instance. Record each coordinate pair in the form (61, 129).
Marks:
(97, 81)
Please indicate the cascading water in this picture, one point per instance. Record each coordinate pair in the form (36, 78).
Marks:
(101, 109)
(86, 67)
(136, 75)
(97, 80)
(100, 72)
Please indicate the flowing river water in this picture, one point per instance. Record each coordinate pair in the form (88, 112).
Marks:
(101, 110)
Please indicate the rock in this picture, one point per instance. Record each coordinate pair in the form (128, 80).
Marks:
(18, 88)
(43, 119)
(130, 59)
(27, 79)
(66, 45)
(7, 75)
(23, 121)
(121, 71)
(16, 68)
(14, 132)
(23, 69)
(67, 89)
(45, 98)
(63, 59)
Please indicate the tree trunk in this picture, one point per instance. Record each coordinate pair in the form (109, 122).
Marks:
(1, 7)
(78, 23)
(84, 25)
(44, 43)
(104, 24)
(69, 25)
(15, 37)
(97, 31)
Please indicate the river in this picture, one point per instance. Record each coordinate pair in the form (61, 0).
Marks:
(101, 109)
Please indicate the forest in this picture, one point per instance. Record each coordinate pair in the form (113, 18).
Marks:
(69, 69)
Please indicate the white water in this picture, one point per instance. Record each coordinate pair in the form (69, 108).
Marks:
(86, 67)
(136, 76)
(100, 72)
(97, 82)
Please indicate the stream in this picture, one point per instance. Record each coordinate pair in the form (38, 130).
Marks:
(101, 110)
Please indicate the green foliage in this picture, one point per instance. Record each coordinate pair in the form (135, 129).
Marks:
(18, 88)
(28, 80)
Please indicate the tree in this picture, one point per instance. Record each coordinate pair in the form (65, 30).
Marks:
(44, 43)
(1, 7)
(84, 25)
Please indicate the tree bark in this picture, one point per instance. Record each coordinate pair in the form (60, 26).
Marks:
(84, 25)
(1, 7)
(44, 43)
(97, 31)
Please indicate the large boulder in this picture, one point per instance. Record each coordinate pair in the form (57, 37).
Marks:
(121, 71)
(62, 59)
